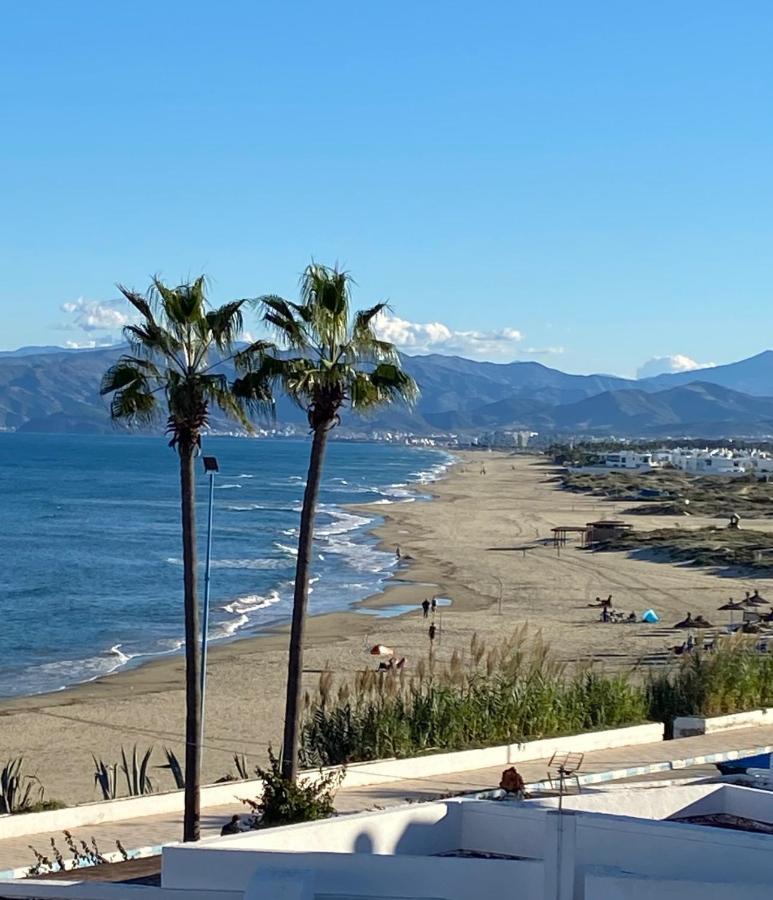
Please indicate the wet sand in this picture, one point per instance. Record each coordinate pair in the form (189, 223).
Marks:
(467, 545)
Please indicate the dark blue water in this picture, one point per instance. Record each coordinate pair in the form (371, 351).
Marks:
(91, 569)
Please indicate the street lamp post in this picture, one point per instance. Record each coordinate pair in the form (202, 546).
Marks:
(211, 468)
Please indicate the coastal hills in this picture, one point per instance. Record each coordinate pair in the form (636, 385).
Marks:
(50, 389)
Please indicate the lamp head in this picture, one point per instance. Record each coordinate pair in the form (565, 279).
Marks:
(210, 464)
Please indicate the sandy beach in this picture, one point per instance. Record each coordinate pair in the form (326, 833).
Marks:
(467, 544)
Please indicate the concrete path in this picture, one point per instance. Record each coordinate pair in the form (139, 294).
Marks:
(642, 761)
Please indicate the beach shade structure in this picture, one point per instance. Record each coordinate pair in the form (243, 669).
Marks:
(756, 600)
(731, 606)
(650, 616)
(381, 650)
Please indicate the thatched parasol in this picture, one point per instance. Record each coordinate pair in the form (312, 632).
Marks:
(731, 605)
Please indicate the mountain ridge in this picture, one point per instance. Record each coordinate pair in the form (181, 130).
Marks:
(57, 390)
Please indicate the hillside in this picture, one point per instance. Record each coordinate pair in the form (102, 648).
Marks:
(53, 390)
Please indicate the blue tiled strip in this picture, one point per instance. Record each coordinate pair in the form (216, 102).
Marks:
(673, 765)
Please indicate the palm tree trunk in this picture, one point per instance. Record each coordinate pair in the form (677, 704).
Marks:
(300, 602)
(192, 646)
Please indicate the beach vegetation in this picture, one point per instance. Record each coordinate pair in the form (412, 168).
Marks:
(734, 677)
(135, 770)
(331, 360)
(81, 853)
(176, 770)
(513, 691)
(174, 366)
(287, 801)
(106, 778)
(20, 791)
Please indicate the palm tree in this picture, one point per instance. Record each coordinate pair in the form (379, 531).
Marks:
(333, 360)
(173, 351)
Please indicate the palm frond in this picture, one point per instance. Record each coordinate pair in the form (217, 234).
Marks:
(225, 323)
(138, 302)
(283, 317)
(171, 346)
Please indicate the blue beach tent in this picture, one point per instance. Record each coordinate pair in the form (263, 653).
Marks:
(650, 616)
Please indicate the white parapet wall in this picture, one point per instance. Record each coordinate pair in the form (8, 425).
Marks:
(689, 726)
(356, 775)
(386, 771)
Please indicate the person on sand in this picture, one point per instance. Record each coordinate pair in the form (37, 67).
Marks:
(232, 827)
(432, 632)
(605, 614)
(434, 605)
(425, 607)
(397, 553)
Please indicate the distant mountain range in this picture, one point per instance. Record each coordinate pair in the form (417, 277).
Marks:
(50, 389)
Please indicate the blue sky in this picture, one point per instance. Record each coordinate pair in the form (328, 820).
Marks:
(585, 184)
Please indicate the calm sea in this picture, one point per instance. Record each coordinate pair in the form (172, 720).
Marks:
(91, 573)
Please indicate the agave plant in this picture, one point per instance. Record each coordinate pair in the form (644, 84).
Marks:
(173, 764)
(19, 791)
(135, 770)
(105, 778)
(241, 766)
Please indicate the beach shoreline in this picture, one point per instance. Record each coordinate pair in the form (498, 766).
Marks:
(483, 541)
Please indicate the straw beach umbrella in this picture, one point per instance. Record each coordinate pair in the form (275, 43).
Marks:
(755, 599)
(731, 606)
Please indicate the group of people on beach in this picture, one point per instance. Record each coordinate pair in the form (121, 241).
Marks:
(609, 614)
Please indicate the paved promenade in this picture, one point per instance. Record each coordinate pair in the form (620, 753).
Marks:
(667, 758)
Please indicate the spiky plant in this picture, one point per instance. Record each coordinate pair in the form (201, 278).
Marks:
(333, 361)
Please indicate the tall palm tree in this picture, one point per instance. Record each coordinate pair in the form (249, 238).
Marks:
(173, 351)
(333, 360)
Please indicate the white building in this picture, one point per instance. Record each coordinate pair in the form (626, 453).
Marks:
(605, 845)
(615, 843)
(621, 461)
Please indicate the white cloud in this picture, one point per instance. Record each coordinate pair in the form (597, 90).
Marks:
(542, 351)
(435, 337)
(96, 315)
(658, 365)
(89, 345)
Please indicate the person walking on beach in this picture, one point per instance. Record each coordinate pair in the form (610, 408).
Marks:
(425, 607)
(432, 632)
(434, 605)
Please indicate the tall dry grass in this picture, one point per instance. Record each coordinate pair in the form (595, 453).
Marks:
(510, 692)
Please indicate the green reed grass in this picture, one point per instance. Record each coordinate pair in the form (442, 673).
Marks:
(732, 678)
(514, 691)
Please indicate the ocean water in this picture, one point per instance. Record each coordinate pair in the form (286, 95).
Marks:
(91, 572)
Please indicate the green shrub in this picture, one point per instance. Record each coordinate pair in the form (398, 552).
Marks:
(286, 802)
